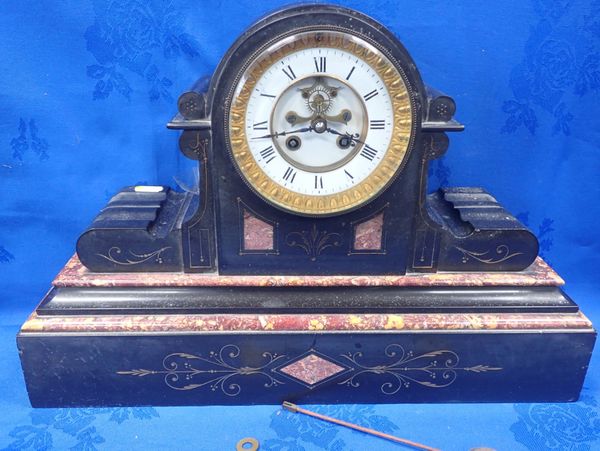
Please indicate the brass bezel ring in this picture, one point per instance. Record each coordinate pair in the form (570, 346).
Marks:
(384, 173)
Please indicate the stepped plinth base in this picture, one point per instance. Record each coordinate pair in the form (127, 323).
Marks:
(173, 339)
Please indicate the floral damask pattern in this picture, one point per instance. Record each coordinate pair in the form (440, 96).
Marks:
(28, 138)
(135, 37)
(558, 426)
(556, 68)
(74, 426)
(296, 432)
(5, 256)
(544, 234)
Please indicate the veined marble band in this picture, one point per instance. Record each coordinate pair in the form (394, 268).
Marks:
(74, 274)
(304, 323)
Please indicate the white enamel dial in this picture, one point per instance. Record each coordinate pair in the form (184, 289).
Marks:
(319, 121)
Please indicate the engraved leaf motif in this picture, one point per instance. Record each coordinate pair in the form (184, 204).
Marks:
(139, 372)
(482, 368)
(313, 242)
(187, 356)
(191, 386)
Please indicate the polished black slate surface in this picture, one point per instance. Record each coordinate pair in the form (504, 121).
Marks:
(236, 369)
(114, 300)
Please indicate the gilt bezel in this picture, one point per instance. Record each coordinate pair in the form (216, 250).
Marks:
(385, 172)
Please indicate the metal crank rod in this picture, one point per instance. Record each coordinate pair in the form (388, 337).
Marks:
(294, 408)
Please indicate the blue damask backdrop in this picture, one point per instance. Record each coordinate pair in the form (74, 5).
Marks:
(86, 89)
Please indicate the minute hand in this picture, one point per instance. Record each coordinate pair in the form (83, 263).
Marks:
(348, 135)
(277, 134)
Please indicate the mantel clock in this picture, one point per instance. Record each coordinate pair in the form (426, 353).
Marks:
(310, 264)
(313, 138)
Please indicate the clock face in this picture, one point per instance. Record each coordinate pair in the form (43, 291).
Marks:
(320, 123)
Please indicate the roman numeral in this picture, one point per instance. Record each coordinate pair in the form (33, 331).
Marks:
(269, 153)
(321, 64)
(318, 182)
(289, 175)
(350, 73)
(260, 125)
(289, 72)
(349, 175)
(368, 152)
(371, 94)
(377, 125)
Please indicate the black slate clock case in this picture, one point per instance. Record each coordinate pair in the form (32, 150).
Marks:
(457, 229)
(227, 341)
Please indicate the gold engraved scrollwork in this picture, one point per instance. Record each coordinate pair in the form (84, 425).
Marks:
(218, 371)
(129, 258)
(434, 369)
(501, 254)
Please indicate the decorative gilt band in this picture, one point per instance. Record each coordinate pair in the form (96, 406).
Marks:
(363, 191)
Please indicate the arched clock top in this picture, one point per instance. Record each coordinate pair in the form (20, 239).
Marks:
(317, 121)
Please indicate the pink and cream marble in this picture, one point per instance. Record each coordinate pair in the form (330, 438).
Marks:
(74, 274)
(258, 234)
(312, 369)
(368, 234)
(309, 323)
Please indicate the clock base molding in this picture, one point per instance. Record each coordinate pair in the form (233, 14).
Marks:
(136, 340)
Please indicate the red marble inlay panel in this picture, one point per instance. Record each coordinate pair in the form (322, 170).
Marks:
(74, 274)
(305, 322)
(312, 369)
(258, 234)
(368, 234)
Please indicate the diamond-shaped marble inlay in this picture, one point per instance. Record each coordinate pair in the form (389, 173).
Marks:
(312, 369)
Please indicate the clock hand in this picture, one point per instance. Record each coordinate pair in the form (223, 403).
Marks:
(353, 137)
(278, 134)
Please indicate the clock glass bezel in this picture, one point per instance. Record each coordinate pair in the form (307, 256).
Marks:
(393, 158)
